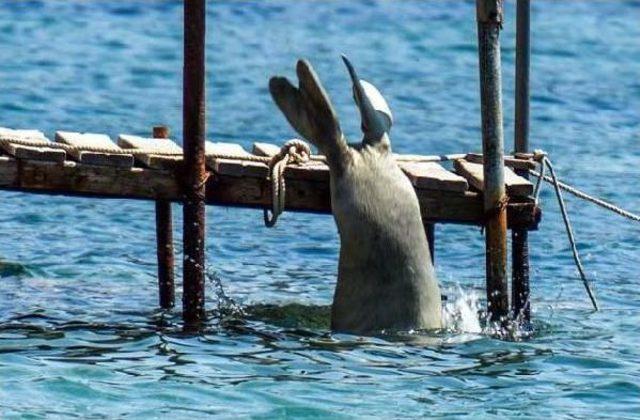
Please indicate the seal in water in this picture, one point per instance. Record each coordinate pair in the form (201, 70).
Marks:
(386, 280)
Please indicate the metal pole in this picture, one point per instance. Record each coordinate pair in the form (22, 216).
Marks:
(194, 162)
(489, 17)
(520, 294)
(164, 242)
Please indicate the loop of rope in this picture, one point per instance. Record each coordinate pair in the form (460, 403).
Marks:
(536, 191)
(293, 151)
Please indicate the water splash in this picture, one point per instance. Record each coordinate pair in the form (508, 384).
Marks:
(462, 313)
(227, 308)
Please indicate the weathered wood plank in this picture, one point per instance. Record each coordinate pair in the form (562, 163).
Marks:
(238, 168)
(427, 175)
(517, 186)
(89, 140)
(30, 152)
(220, 148)
(509, 161)
(432, 176)
(73, 178)
(128, 141)
(232, 150)
(265, 149)
(78, 179)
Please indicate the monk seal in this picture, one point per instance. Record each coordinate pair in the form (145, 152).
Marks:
(386, 280)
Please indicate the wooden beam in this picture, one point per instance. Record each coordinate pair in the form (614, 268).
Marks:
(77, 179)
(73, 178)
(428, 175)
(516, 186)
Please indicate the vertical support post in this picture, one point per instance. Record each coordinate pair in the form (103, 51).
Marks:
(430, 229)
(164, 242)
(520, 297)
(489, 17)
(194, 162)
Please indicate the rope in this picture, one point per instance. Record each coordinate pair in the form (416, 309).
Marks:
(38, 142)
(293, 151)
(35, 142)
(544, 161)
(587, 197)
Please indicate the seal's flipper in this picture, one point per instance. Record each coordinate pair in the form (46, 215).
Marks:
(309, 110)
(288, 98)
(375, 114)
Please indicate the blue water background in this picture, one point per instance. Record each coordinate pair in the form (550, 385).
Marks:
(79, 327)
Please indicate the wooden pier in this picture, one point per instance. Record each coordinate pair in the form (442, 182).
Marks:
(446, 196)
(488, 189)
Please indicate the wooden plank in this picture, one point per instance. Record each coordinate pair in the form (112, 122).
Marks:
(265, 149)
(517, 186)
(239, 168)
(311, 171)
(78, 179)
(150, 160)
(509, 161)
(89, 140)
(220, 148)
(30, 152)
(211, 149)
(429, 175)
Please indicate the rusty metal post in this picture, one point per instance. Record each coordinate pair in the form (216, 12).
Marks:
(520, 297)
(164, 242)
(194, 162)
(489, 17)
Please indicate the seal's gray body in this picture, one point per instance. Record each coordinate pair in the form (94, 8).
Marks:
(385, 275)
(386, 279)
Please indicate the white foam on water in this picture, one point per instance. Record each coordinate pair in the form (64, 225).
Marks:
(461, 312)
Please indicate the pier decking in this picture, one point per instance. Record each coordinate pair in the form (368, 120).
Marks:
(105, 169)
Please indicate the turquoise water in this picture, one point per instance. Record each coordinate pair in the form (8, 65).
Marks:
(80, 334)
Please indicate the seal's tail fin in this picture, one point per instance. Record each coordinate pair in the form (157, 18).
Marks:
(309, 110)
(376, 117)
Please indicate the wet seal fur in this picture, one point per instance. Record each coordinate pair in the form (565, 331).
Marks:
(386, 280)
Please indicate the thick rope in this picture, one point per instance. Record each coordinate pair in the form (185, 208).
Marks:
(293, 151)
(38, 142)
(35, 142)
(565, 217)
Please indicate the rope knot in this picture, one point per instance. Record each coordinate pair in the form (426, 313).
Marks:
(539, 155)
(293, 151)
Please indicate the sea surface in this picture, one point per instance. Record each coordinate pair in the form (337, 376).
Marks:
(80, 331)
